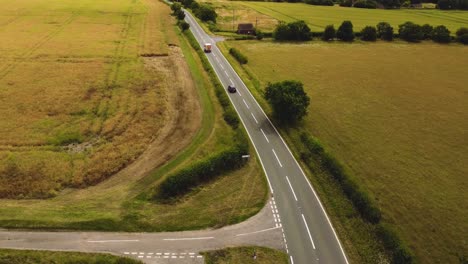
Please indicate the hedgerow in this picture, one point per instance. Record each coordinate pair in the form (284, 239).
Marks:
(241, 58)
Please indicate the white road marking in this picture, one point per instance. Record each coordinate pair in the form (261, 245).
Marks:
(246, 104)
(265, 135)
(110, 241)
(281, 165)
(239, 92)
(254, 118)
(126, 253)
(290, 186)
(187, 238)
(292, 260)
(222, 67)
(308, 231)
(231, 81)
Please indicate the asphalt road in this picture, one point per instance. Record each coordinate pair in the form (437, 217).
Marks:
(309, 234)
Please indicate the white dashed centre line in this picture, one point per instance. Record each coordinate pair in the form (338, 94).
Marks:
(246, 104)
(254, 118)
(265, 135)
(290, 186)
(308, 231)
(187, 238)
(281, 165)
(222, 67)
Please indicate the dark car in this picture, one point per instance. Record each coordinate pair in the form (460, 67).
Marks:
(231, 88)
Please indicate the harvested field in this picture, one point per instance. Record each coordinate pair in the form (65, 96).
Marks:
(77, 102)
(397, 119)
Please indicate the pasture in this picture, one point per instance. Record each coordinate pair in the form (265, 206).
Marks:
(268, 14)
(77, 103)
(396, 118)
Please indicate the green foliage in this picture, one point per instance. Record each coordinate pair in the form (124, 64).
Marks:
(440, 34)
(176, 7)
(206, 13)
(180, 15)
(187, 3)
(401, 254)
(345, 31)
(184, 25)
(346, 3)
(200, 172)
(259, 34)
(297, 31)
(319, 2)
(410, 32)
(426, 30)
(461, 31)
(385, 31)
(241, 58)
(66, 137)
(329, 33)
(462, 35)
(452, 4)
(288, 100)
(365, 4)
(369, 33)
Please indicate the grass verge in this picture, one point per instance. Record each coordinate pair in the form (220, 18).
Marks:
(246, 255)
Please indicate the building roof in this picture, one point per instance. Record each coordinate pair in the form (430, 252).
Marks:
(245, 26)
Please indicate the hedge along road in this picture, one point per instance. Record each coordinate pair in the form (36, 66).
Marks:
(307, 231)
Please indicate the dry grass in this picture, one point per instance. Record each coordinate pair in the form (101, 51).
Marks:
(396, 117)
(75, 97)
(245, 255)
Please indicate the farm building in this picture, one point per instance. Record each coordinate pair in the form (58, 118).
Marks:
(246, 28)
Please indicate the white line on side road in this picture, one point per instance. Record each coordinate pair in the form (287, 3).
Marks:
(246, 104)
(260, 231)
(265, 135)
(290, 186)
(308, 231)
(292, 260)
(281, 165)
(187, 238)
(109, 241)
(254, 118)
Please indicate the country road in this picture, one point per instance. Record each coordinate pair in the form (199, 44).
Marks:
(309, 234)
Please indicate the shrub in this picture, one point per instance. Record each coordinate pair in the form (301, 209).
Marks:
(463, 39)
(365, 4)
(176, 7)
(180, 15)
(187, 3)
(426, 30)
(392, 242)
(345, 31)
(297, 30)
(410, 32)
(461, 31)
(241, 58)
(369, 33)
(329, 33)
(385, 31)
(231, 118)
(259, 34)
(206, 13)
(184, 25)
(440, 34)
(346, 3)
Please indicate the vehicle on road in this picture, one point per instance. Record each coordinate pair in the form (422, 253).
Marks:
(207, 47)
(231, 88)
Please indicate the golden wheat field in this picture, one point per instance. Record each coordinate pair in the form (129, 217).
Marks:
(76, 101)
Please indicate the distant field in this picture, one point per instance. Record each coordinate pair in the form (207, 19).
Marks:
(268, 13)
(77, 102)
(396, 116)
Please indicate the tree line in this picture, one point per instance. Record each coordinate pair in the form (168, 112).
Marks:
(388, 4)
(409, 31)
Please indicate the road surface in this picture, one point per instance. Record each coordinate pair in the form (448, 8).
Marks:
(309, 235)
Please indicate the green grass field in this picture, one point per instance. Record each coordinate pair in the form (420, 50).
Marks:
(10, 256)
(245, 255)
(122, 201)
(267, 15)
(396, 117)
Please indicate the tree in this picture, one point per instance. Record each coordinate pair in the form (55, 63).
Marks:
(461, 31)
(365, 4)
(281, 32)
(345, 31)
(299, 31)
(447, 4)
(180, 15)
(187, 3)
(259, 34)
(369, 33)
(176, 7)
(206, 13)
(184, 25)
(440, 34)
(463, 39)
(426, 31)
(410, 32)
(462, 35)
(385, 31)
(329, 33)
(288, 100)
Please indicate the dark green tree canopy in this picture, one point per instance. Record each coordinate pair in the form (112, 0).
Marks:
(410, 31)
(205, 13)
(369, 33)
(288, 100)
(345, 31)
(329, 33)
(297, 30)
(440, 34)
(385, 31)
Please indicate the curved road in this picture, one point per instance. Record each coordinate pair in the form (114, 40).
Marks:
(309, 234)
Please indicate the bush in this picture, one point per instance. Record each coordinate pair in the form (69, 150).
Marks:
(410, 32)
(184, 25)
(385, 31)
(176, 7)
(461, 31)
(298, 31)
(369, 33)
(320, 2)
(206, 13)
(365, 4)
(241, 58)
(259, 34)
(200, 172)
(187, 3)
(392, 242)
(345, 31)
(426, 30)
(440, 34)
(346, 3)
(329, 33)
(463, 39)
(180, 15)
